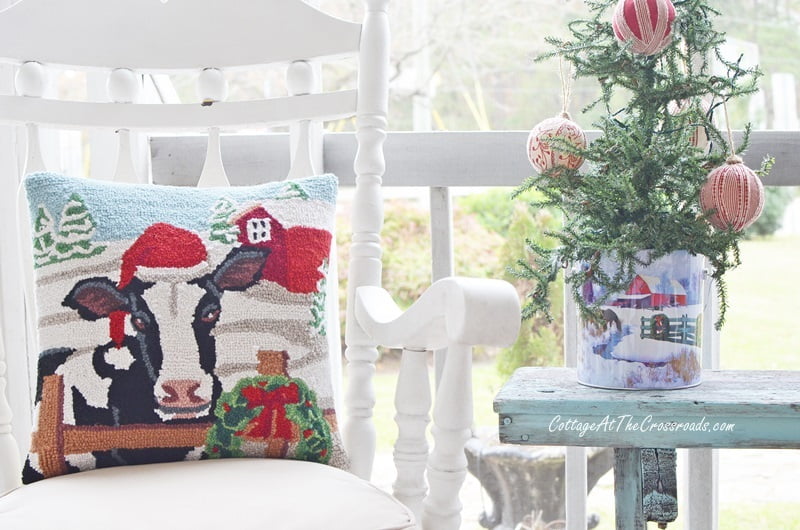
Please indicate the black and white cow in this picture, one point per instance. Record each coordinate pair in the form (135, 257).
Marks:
(171, 321)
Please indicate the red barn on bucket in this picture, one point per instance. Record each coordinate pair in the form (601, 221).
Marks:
(646, 292)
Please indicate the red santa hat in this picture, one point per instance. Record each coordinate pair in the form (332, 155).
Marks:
(161, 245)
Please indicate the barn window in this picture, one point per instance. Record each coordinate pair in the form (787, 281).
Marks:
(258, 230)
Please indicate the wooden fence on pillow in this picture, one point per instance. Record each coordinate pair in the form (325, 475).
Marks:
(54, 440)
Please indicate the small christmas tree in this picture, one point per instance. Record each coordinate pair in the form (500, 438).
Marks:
(318, 313)
(293, 190)
(221, 227)
(75, 231)
(640, 188)
(44, 237)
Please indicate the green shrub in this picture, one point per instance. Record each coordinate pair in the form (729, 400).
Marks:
(493, 208)
(776, 199)
(540, 343)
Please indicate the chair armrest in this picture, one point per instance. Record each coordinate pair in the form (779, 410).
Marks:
(453, 313)
(453, 310)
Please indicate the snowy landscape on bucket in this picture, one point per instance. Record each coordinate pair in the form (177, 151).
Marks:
(650, 335)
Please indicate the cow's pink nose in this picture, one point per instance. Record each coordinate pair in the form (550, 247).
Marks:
(181, 393)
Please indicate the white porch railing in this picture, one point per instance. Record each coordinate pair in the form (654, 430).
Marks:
(427, 159)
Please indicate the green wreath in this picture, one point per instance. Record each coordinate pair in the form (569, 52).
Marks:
(241, 414)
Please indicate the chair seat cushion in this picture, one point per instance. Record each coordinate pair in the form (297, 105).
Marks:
(241, 494)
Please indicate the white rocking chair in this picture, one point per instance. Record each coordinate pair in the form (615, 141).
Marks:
(128, 38)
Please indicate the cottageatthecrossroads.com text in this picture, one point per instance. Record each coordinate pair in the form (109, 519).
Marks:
(629, 423)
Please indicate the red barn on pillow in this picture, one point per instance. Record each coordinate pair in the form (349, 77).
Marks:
(296, 253)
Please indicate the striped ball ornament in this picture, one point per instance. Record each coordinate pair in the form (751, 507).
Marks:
(543, 155)
(735, 193)
(647, 24)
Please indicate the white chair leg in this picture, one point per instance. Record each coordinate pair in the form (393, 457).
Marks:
(452, 420)
(358, 432)
(413, 404)
(9, 452)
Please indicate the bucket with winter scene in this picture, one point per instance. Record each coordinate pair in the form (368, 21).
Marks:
(650, 336)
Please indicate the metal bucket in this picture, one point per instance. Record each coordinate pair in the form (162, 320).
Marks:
(650, 336)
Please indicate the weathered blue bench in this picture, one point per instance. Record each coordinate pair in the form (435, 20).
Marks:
(730, 409)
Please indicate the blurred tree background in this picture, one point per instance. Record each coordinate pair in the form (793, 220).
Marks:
(479, 72)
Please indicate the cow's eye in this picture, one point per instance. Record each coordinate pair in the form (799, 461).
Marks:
(210, 316)
(139, 323)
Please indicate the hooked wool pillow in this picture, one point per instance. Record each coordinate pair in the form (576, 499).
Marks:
(180, 323)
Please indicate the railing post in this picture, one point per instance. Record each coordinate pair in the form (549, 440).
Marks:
(441, 250)
(575, 466)
(701, 480)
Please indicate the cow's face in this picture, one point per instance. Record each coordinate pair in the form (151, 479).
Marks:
(171, 320)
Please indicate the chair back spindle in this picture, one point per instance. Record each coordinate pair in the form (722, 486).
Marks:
(303, 145)
(212, 88)
(124, 87)
(367, 220)
(30, 82)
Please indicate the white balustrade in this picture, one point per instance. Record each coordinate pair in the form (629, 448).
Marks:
(575, 464)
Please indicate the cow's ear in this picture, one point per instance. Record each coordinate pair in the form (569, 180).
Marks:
(240, 269)
(137, 286)
(96, 298)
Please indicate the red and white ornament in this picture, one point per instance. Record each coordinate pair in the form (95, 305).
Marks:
(647, 24)
(735, 193)
(543, 155)
(699, 138)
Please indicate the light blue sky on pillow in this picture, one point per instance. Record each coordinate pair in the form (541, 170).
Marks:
(123, 211)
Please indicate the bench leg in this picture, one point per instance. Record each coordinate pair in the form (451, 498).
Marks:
(628, 489)
(659, 486)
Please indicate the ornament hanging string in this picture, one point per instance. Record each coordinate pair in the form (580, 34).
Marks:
(566, 87)
(733, 158)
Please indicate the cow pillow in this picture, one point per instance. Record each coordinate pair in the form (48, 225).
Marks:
(180, 323)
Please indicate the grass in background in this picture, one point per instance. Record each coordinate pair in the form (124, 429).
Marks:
(753, 516)
(738, 516)
(761, 332)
